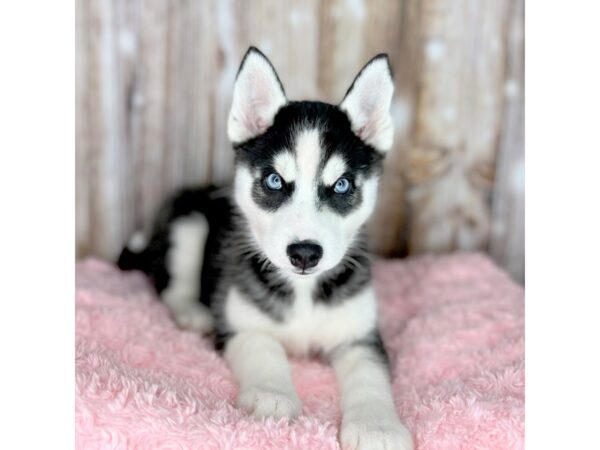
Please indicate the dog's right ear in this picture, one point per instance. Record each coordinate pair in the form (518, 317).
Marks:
(367, 104)
(257, 96)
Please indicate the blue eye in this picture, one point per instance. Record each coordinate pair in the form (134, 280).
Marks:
(273, 182)
(342, 186)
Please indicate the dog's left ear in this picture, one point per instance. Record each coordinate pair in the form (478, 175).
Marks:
(367, 104)
(257, 96)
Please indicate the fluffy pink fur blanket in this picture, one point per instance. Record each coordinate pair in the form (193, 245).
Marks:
(453, 326)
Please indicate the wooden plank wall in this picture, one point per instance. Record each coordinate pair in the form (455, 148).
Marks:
(154, 81)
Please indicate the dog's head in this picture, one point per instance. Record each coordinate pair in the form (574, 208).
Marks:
(307, 172)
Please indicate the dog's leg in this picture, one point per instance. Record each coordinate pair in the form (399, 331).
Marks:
(369, 418)
(184, 260)
(263, 372)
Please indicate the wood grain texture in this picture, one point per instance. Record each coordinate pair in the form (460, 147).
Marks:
(458, 111)
(507, 243)
(154, 83)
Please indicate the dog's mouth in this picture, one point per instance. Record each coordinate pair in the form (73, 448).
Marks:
(304, 272)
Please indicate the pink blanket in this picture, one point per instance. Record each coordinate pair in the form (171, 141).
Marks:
(453, 326)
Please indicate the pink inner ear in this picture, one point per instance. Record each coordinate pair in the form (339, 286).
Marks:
(257, 116)
(367, 131)
(361, 132)
(254, 123)
(260, 125)
(368, 104)
(260, 105)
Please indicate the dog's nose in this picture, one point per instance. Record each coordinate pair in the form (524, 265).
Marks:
(304, 254)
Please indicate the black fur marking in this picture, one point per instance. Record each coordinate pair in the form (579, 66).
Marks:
(270, 199)
(348, 278)
(343, 204)
(221, 338)
(262, 284)
(374, 343)
(220, 226)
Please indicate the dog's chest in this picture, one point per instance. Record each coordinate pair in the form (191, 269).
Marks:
(307, 326)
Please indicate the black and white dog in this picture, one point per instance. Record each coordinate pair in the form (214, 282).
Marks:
(280, 265)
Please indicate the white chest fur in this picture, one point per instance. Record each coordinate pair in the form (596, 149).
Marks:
(307, 326)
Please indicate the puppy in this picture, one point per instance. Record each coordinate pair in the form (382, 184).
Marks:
(277, 264)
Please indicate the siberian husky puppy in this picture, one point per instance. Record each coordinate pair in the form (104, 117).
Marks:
(278, 264)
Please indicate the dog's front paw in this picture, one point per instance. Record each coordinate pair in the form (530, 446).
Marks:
(196, 318)
(374, 432)
(266, 401)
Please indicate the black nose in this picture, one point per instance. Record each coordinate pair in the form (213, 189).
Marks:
(304, 254)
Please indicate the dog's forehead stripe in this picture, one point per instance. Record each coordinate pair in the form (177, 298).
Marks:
(308, 153)
(285, 165)
(334, 168)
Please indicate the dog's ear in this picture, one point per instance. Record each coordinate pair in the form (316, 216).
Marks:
(257, 96)
(367, 104)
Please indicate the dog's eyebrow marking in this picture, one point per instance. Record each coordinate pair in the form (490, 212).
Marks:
(285, 164)
(334, 168)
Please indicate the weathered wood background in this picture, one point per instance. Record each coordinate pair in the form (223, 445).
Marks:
(154, 83)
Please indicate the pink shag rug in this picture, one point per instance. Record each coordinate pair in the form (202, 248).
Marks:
(453, 326)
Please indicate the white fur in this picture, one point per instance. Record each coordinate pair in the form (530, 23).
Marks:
(138, 242)
(356, 218)
(368, 105)
(264, 375)
(300, 219)
(184, 263)
(285, 165)
(257, 357)
(308, 155)
(258, 219)
(333, 170)
(307, 325)
(369, 418)
(257, 96)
